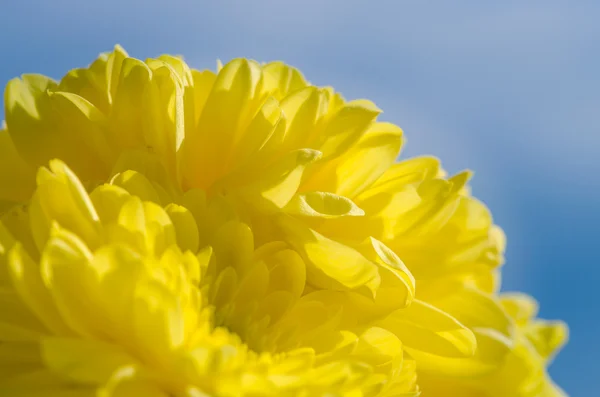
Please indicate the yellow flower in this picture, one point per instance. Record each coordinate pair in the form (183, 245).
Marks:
(238, 233)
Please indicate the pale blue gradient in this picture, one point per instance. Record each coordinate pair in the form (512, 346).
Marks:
(510, 89)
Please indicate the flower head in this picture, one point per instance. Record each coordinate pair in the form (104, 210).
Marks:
(172, 232)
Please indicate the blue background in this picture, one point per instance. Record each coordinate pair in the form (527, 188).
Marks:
(510, 89)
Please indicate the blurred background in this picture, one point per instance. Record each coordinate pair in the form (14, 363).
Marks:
(509, 89)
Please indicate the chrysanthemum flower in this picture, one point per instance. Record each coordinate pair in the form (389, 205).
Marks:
(240, 233)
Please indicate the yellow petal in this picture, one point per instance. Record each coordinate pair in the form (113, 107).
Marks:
(520, 307)
(29, 284)
(404, 173)
(98, 83)
(322, 205)
(346, 127)
(10, 332)
(492, 350)
(261, 128)
(26, 107)
(233, 246)
(476, 309)
(423, 327)
(90, 125)
(137, 185)
(204, 257)
(397, 287)
(164, 121)
(304, 110)
(126, 118)
(405, 384)
(16, 313)
(437, 204)
(158, 321)
(254, 285)
(178, 65)
(362, 165)
(279, 183)
(70, 358)
(108, 201)
(17, 178)
(185, 227)
(224, 287)
(152, 167)
(127, 381)
(548, 337)
(210, 214)
(196, 97)
(282, 80)
(287, 271)
(522, 375)
(146, 226)
(310, 323)
(62, 198)
(7, 241)
(114, 272)
(43, 128)
(329, 264)
(378, 346)
(229, 107)
(69, 278)
(17, 223)
(491, 325)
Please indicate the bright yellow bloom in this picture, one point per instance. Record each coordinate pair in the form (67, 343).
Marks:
(240, 233)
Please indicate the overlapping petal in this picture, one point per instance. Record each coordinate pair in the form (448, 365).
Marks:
(243, 233)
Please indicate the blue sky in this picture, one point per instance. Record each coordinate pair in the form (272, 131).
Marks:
(509, 89)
